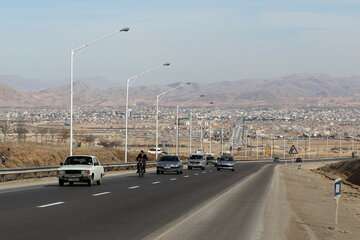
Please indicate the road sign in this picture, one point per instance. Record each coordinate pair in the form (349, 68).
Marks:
(293, 150)
(337, 194)
(337, 188)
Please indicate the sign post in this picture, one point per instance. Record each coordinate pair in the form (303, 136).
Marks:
(337, 195)
(293, 151)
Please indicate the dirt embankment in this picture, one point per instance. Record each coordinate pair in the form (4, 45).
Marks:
(311, 206)
(32, 155)
(347, 170)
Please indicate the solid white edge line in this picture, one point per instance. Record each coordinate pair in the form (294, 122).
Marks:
(50, 204)
(134, 187)
(99, 194)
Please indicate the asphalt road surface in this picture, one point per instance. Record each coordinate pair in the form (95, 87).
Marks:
(195, 205)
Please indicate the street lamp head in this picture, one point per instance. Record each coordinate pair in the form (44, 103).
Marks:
(124, 29)
(166, 64)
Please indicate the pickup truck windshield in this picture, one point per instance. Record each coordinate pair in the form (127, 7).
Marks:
(78, 160)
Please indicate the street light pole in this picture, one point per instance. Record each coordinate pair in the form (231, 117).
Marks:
(157, 127)
(190, 133)
(222, 140)
(73, 51)
(177, 130)
(157, 115)
(210, 133)
(127, 102)
(201, 135)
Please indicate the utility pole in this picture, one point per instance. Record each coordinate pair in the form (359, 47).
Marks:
(210, 133)
(190, 133)
(222, 140)
(177, 130)
(284, 150)
(201, 136)
(327, 145)
(257, 147)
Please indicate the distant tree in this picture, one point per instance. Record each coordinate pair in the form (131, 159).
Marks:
(43, 132)
(65, 134)
(21, 130)
(5, 128)
(89, 139)
(110, 144)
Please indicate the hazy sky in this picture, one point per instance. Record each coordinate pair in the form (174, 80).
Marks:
(206, 40)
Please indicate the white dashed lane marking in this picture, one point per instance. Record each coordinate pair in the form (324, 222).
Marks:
(172, 179)
(133, 187)
(186, 176)
(99, 194)
(196, 174)
(156, 182)
(50, 204)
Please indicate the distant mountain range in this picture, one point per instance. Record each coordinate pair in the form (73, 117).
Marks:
(297, 89)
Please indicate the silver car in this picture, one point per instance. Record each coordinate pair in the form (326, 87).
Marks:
(225, 162)
(169, 163)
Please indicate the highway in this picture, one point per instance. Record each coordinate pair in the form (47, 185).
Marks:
(196, 205)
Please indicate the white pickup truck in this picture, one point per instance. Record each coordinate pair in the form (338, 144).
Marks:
(81, 168)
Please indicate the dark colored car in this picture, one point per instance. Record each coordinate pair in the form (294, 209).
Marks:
(298, 160)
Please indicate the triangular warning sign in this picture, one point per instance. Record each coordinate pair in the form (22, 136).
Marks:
(293, 150)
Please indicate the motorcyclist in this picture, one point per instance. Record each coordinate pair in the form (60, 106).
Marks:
(141, 158)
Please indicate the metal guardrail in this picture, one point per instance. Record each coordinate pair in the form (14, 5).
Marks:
(9, 174)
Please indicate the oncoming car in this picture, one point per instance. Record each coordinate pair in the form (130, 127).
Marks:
(85, 169)
(169, 163)
(225, 162)
(197, 160)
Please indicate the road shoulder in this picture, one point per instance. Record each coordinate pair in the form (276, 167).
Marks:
(311, 205)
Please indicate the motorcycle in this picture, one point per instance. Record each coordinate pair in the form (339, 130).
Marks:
(141, 167)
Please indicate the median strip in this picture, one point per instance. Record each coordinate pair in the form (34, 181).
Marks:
(99, 194)
(133, 187)
(50, 204)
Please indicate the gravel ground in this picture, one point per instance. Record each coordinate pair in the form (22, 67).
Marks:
(311, 206)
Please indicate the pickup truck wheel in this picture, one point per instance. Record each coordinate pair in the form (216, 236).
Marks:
(61, 182)
(218, 169)
(89, 182)
(71, 183)
(203, 168)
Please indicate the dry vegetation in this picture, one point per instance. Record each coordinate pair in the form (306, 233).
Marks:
(32, 154)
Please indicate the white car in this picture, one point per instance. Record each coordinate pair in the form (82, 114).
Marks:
(154, 150)
(197, 160)
(86, 169)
